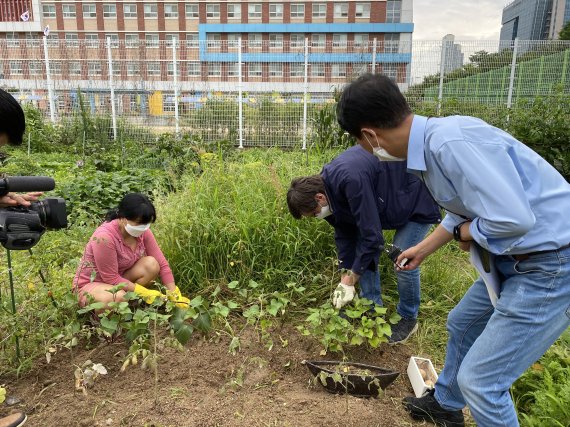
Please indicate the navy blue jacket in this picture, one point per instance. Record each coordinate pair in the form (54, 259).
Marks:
(366, 196)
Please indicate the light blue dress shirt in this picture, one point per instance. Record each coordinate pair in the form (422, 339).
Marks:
(517, 201)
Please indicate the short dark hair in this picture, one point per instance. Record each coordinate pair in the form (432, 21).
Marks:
(12, 119)
(371, 100)
(134, 207)
(301, 194)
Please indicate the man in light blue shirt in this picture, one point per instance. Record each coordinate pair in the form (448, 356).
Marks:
(502, 196)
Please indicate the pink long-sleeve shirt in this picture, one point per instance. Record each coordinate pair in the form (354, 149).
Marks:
(108, 257)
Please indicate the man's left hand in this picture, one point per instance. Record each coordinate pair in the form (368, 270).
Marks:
(13, 199)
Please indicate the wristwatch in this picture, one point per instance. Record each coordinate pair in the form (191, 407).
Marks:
(457, 232)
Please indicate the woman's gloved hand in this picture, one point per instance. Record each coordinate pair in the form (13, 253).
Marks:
(148, 295)
(176, 297)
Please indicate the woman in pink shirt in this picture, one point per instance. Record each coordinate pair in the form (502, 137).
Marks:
(124, 250)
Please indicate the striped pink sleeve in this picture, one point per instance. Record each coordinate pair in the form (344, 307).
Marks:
(152, 249)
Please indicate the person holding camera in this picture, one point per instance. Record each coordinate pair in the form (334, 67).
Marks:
(123, 250)
(12, 127)
(360, 197)
(501, 196)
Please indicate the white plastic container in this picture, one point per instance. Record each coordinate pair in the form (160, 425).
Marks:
(414, 374)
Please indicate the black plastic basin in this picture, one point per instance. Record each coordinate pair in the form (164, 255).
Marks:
(359, 385)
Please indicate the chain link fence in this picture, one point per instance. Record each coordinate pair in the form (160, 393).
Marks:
(266, 92)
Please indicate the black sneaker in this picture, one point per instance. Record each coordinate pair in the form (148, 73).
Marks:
(428, 409)
(403, 330)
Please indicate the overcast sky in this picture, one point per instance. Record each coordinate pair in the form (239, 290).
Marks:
(466, 19)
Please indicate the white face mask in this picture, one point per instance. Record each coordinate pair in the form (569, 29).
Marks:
(325, 211)
(136, 230)
(382, 154)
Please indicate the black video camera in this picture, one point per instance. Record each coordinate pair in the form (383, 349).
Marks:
(21, 227)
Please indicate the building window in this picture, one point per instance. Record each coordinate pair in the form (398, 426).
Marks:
(168, 103)
(193, 69)
(48, 10)
(92, 40)
(132, 40)
(69, 11)
(233, 69)
(254, 10)
(35, 67)
(74, 68)
(341, 10)
(234, 10)
(150, 11)
(393, 11)
(93, 68)
(170, 69)
(130, 10)
(113, 39)
(214, 40)
(12, 40)
(297, 10)
(16, 67)
(212, 11)
(32, 40)
(117, 67)
(390, 70)
(53, 40)
(214, 69)
(360, 40)
(192, 40)
(255, 69)
(338, 70)
(276, 40)
(233, 39)
(275, 69)
(254, 40)
(318, 40)
(297, 40)
(317, 70)
(133, 69)
(55, 68)
(363, 10)
(171, 10)
(89, 11)
(109, 11)
(192, 11)
(71, 39)
(391, 42)
(297, 69)
(151, 40)
(153, 68)
(339, 40)
(319, 10)
(171, 39)
(276, 10)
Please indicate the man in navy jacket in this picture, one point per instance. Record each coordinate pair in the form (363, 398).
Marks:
(360, 196)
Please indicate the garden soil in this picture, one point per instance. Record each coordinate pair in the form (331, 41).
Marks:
(205, 385)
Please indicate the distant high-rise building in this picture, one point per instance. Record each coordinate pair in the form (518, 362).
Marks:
(452, 56)
(526, 19)
(560, 17)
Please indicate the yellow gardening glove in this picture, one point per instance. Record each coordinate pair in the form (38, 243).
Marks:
(148, 295)
(176, 297)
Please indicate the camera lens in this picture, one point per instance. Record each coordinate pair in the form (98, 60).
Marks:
(52, 212)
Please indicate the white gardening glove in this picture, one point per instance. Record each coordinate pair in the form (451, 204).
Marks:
(342, 295)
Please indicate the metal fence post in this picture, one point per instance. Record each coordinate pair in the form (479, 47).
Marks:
(175, 70)
(240, 95)
(49, 83)
(441, 75)
(305, 90)
(113, 112)
(374, 50)
(513, 71)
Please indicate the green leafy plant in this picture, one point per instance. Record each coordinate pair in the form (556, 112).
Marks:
(364, 323)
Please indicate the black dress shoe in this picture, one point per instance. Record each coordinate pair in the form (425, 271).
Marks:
(428, 409)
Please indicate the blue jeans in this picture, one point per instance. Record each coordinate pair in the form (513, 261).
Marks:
(489, 348)
(408, 281)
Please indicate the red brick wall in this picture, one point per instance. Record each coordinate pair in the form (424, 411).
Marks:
(100, 20)
(59, 16)
(308, 12)
(286, 13)
(378, 11)
(352, 12)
